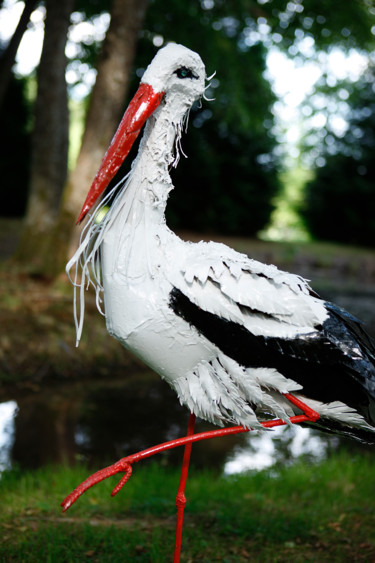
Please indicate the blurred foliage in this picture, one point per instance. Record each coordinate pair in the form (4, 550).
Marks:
(230, 179)
(344, 24)
(339, 203)
(233, 180)
(221, 186)
(15, 117)
(286, 222)
(91, 8)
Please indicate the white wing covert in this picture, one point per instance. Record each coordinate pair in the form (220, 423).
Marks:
(260, 297)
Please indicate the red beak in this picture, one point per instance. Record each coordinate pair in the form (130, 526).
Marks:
(144, 103)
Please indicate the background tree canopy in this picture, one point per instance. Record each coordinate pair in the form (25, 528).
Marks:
(223, 185)
(340, 200)
(230, 179)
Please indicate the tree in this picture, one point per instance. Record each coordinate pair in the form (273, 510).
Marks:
(50, 139)
(15, 118)
(339, 201)
(105, 110)
(234, 177)
(227, 182)
(9, 54)
(232, 37)
(227, 189)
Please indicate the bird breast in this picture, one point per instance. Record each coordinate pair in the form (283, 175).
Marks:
(136, 296)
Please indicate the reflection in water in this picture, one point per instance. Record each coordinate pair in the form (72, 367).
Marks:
(101, 421)
(119, 419)
(281, 445)
(98, 422)
(8, 412)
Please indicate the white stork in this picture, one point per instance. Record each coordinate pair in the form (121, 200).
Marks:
(229, 334)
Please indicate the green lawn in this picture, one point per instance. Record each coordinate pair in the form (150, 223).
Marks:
(304, 513)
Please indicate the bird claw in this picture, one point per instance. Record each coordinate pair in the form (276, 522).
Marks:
(123, 465)
(124, 479)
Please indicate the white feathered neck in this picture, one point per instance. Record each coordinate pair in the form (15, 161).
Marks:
(140, 196)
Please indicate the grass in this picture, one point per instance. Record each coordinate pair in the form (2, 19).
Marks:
(321, 513)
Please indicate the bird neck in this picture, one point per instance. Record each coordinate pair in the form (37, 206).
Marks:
(136, 222)
(158, 151)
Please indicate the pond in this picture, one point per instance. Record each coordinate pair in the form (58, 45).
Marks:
(101, 420)
(104, 421)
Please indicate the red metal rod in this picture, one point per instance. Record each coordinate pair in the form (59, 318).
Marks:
(181, 498)
(125, 464)
(310, 413)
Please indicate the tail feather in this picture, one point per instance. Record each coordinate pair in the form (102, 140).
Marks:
(333, 427)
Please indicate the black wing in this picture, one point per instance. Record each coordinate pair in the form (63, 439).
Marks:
(335, 363)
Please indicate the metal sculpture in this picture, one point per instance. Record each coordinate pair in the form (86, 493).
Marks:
(236, 339)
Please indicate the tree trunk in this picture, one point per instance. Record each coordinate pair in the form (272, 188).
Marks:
(105, 111)
(49, 142)
(9, 54)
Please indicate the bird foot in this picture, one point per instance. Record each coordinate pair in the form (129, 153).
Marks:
(123, 465)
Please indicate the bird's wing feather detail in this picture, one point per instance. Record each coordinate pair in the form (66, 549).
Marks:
(222, 390)
(260, 297)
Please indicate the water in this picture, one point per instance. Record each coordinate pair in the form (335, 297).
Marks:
(100, 422)
(283, 445)
(8, 412)
(100, 436)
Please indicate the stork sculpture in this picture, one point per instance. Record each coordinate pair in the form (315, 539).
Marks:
(239, 341)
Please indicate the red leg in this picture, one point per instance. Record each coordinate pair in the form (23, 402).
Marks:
(310, 414)
(180, 498)
(125, 464)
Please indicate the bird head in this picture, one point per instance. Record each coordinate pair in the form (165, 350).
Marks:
(175, 74)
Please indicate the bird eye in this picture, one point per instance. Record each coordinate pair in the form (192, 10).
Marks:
(184, 72)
